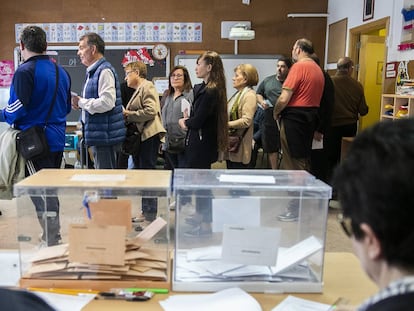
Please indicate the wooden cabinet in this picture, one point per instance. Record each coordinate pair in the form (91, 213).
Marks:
(396, 106)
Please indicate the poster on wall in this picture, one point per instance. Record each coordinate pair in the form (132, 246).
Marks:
(6, 72)
(120, 32)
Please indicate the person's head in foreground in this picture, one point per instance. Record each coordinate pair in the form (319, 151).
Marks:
(375, 186)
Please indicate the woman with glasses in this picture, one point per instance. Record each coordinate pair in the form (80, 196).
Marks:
(143, 111)
(375, 190)
(177, 98)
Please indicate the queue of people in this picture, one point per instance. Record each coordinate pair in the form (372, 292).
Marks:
(196, 123)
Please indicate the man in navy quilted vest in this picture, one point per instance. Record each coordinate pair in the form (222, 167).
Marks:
(101, 104)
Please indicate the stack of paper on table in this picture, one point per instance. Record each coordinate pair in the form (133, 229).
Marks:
(225, 300)
(102, 253)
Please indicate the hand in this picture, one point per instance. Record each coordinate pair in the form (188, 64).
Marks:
(317, 136)
(181, 123)
(75, 102)
(185, 113)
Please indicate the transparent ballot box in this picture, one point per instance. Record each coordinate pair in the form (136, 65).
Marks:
(260, 230)
(82, 228)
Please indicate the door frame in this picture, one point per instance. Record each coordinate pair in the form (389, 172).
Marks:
(354, 39)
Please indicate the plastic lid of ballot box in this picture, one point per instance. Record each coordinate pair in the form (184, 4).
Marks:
(232, 230)
(93, 243)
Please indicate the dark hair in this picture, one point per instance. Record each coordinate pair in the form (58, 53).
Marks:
(287, 60)
(305, 45)
(217, 80)
(94, 39)
(187, 80)
(34, 39)
(374, 185)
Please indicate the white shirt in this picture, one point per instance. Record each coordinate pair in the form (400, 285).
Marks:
(106, 93)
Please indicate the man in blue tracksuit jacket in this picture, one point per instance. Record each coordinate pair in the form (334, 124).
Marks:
(31, 94)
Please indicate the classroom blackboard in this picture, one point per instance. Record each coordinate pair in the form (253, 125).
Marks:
(265, 65)
(68, 58)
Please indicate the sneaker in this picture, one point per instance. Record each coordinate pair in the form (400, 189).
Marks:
(51, 242)
(142, 225)
(139, 218)
(193, 221)
(197, 232)
(288, 216)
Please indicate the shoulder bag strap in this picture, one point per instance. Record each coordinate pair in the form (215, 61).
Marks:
(54, 95)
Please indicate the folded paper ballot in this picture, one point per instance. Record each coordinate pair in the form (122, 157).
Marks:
(294, 303)
(224, 300)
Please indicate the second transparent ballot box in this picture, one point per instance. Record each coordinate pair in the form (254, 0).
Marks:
(84, 228)
(260, 230)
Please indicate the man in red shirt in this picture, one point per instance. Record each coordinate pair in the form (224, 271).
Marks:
(296, 110)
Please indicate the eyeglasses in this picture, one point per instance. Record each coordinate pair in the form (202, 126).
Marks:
(176, 76)
(128, 72)
(346, 224)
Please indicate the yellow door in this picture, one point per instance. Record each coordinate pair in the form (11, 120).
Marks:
(370, 74)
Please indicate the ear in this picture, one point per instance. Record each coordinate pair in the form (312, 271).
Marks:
(209, 67)
(371, 242)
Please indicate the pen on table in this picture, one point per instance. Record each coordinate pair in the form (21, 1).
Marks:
(65, 291)
(127, 296)
(152, 290)
(339, 301)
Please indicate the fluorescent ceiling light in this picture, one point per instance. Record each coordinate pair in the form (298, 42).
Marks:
(294, 15)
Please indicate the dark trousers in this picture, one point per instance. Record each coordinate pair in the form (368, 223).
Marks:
(174, 160)
(236, 165)
(147, 159)
(333, 142)
(47, 204)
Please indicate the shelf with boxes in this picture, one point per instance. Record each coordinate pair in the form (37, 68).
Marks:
(396, 106)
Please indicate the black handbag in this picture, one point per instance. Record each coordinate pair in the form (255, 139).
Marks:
(234, 141)
(32, 143)
(132, 141)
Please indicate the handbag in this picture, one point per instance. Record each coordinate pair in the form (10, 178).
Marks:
(32, 143)
(132, 141)
(176, 145)
(234, 142)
